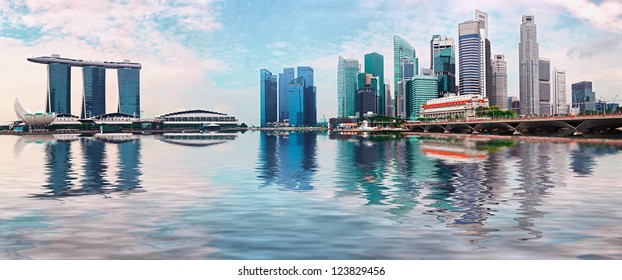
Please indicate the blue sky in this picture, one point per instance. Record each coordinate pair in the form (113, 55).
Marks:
(207, 54)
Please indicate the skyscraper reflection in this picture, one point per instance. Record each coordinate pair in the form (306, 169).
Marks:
(287, 160)
(65, 178)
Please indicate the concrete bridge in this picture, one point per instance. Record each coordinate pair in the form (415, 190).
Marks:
(551, 126)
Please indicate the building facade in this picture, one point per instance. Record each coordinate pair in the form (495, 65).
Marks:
(407, 72)
(268, 98)
(545, 86)
(455, 107)
(59, 88)
(365, 101)
(528, 57)
(402, 49)
(445, 69)
(471, 59)
(423, 88)
(297, 102)
(59, 85)
(347, 71)
(559, 92)
(583, 97)
(94, 98)
(374, 65)
(499, 79)
(285, 80)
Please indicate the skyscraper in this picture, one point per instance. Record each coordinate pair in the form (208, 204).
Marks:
(528, 57)
(402, 49)
(583, 97)
(94, 99)
(285, 80)
(297, 102)
(374, 64)
(59, 89)
(544, 84)
(444, 64)
(472, 77)
(365, 100)
(347, 72)
(559, 92)
(129, 91)
(310, 105)
(499, 79)
(423, 88)
(407, 72)
(268, 96)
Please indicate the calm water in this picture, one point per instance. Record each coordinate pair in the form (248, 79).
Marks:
(307, 196)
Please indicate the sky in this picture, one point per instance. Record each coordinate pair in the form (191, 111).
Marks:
(206, 54)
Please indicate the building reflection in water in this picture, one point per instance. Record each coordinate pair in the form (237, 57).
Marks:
(63, 178)
(287, 160)
(583, 157)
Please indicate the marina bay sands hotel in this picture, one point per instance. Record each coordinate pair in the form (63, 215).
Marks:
(94, 77)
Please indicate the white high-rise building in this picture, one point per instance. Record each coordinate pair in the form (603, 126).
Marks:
(528, 57)
(499, 82)
(559, 92)
(473, 55)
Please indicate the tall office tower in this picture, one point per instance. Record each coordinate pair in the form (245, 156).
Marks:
(488, 68)
(285, 80)
(499, 96)
(407, 70)
(297, 102)
(559, 92)
(129, 91)
(388, 101)
(583, 97)
(528, 57)
(365, 100)
(444, 64)
(94, 99)
(310, 109)
(267, 85)
(544, 80)
(374, 64)
(423, 88)
(347, 72)
(59, 89)
(402, 49)
(471, 56)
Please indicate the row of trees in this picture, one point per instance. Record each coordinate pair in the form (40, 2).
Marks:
(494, 112)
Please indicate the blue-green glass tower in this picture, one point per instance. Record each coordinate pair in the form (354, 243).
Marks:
(268, 97)
(59, 89)
(445, 70)
(129, 91)
(285, 80)
(297, 102)
(374, 64)
(347, 72)
(310, 109)
(423, 88)
(94, 99)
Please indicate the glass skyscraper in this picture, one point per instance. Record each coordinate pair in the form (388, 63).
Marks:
(445, 69)
(59, 89)
(310, 105)
(402, 49)
(470, 58)
(268, 98)
(94, 99)
(423, 88)
(285, 80)
(544, 77)
(297, 102)
(347, 71)
(129, 91)
(374, 65)
(528, 57)
(583, 97)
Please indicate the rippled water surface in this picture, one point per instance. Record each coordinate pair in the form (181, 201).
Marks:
(307, 196)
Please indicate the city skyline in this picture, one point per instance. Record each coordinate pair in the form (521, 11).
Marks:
(206, 55)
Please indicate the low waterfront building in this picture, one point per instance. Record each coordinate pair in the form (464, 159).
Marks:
(196, 119)
(460, 106)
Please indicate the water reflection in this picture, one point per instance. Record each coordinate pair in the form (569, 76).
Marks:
(197, 139)
(288, 160)
(583, 157)
(65, 177)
